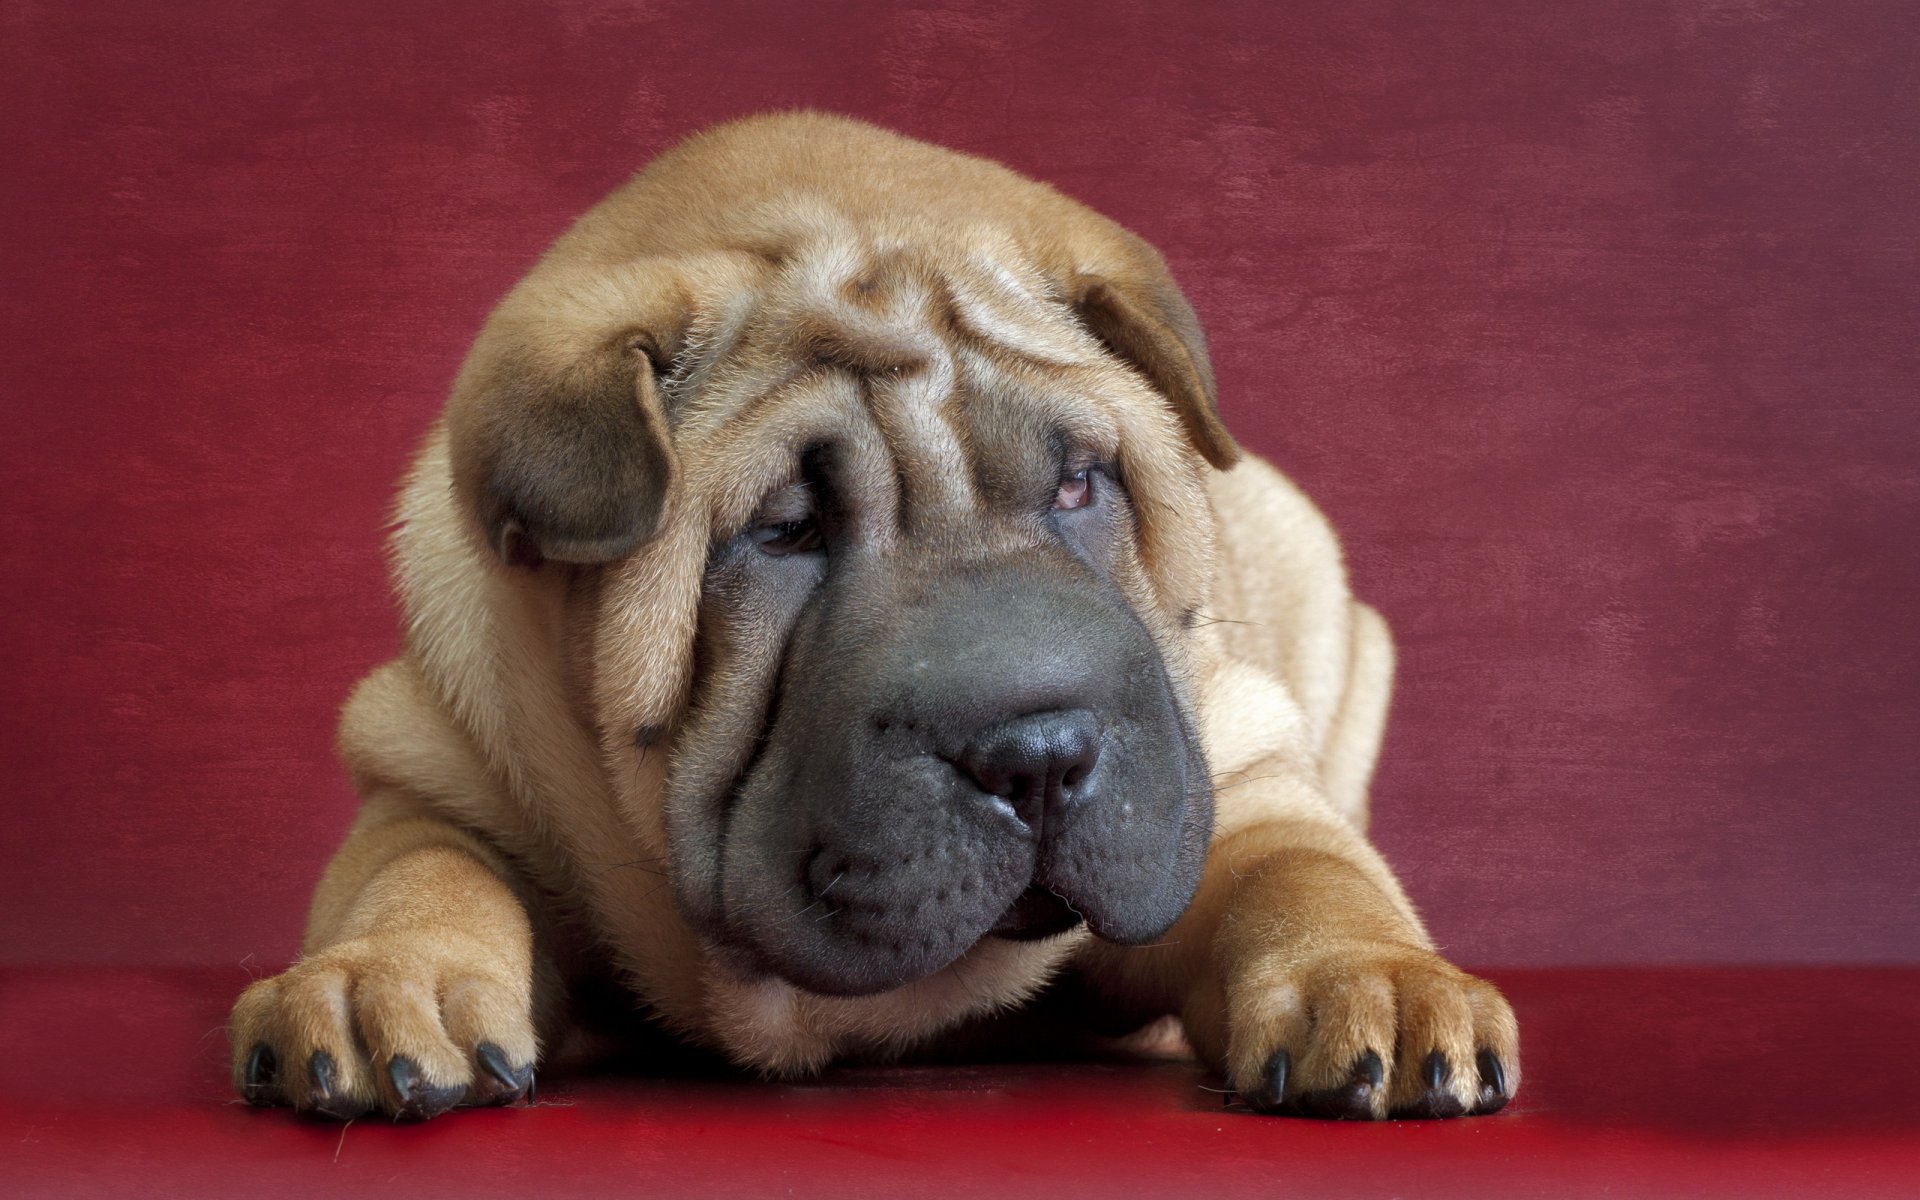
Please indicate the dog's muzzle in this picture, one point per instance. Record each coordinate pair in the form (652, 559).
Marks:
(992, 752)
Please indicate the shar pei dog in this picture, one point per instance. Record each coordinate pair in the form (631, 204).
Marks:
(837, 617)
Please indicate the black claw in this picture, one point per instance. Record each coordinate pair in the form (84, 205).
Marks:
(328, 1099)
(494, 1060)
(263, 1068)
(532, 1085)
(413, 1097)
(502, 1083)
(1353, 1100)
(1438, 1100)
(1270, 1093)
(401, 1073)
(1371, 1067)
(1493, 1083)
(320, 1069)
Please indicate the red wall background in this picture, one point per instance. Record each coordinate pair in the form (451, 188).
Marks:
(1592, 324)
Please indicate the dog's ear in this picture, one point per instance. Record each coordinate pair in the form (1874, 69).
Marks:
(561, 456)
(1136, 310)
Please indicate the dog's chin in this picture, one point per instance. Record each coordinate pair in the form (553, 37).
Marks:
(845, 970)
(839, 979)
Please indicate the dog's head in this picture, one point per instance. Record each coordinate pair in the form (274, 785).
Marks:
(891, 519)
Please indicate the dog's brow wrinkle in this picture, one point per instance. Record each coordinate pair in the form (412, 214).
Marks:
(929, 457)
(867, 349)
(990, 304)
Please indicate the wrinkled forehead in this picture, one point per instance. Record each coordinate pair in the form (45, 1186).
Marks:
(941, 366)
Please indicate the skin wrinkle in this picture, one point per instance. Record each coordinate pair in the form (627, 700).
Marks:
(929, 455)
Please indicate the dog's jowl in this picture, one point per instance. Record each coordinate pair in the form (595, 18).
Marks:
(836, 611)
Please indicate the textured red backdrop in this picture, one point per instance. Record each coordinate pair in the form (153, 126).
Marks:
(1592, 325)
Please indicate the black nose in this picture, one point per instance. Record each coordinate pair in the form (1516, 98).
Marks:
(1035, 762)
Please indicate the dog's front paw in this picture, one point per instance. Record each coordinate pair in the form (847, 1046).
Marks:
(406, 1024)
(1364, 1031)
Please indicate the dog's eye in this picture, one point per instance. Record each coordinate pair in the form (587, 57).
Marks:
(1076, 490)
(787, 523)
(781, 538)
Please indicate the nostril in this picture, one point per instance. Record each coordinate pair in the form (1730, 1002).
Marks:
(1034, 760)
(988, 774)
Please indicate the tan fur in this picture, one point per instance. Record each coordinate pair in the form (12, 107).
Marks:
(513, 832)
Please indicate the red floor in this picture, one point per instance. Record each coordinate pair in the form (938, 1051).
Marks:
(1687, 1082)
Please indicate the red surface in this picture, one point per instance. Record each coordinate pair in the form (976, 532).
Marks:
(1702, 1083)
(1591, 324)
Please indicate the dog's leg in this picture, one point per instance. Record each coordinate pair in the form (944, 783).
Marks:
(1351, 744)
(1323, 996)
(415, 989)
(1301, 970)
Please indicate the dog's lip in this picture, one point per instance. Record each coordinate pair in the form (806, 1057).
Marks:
(1039, 912)
(1036, 913)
